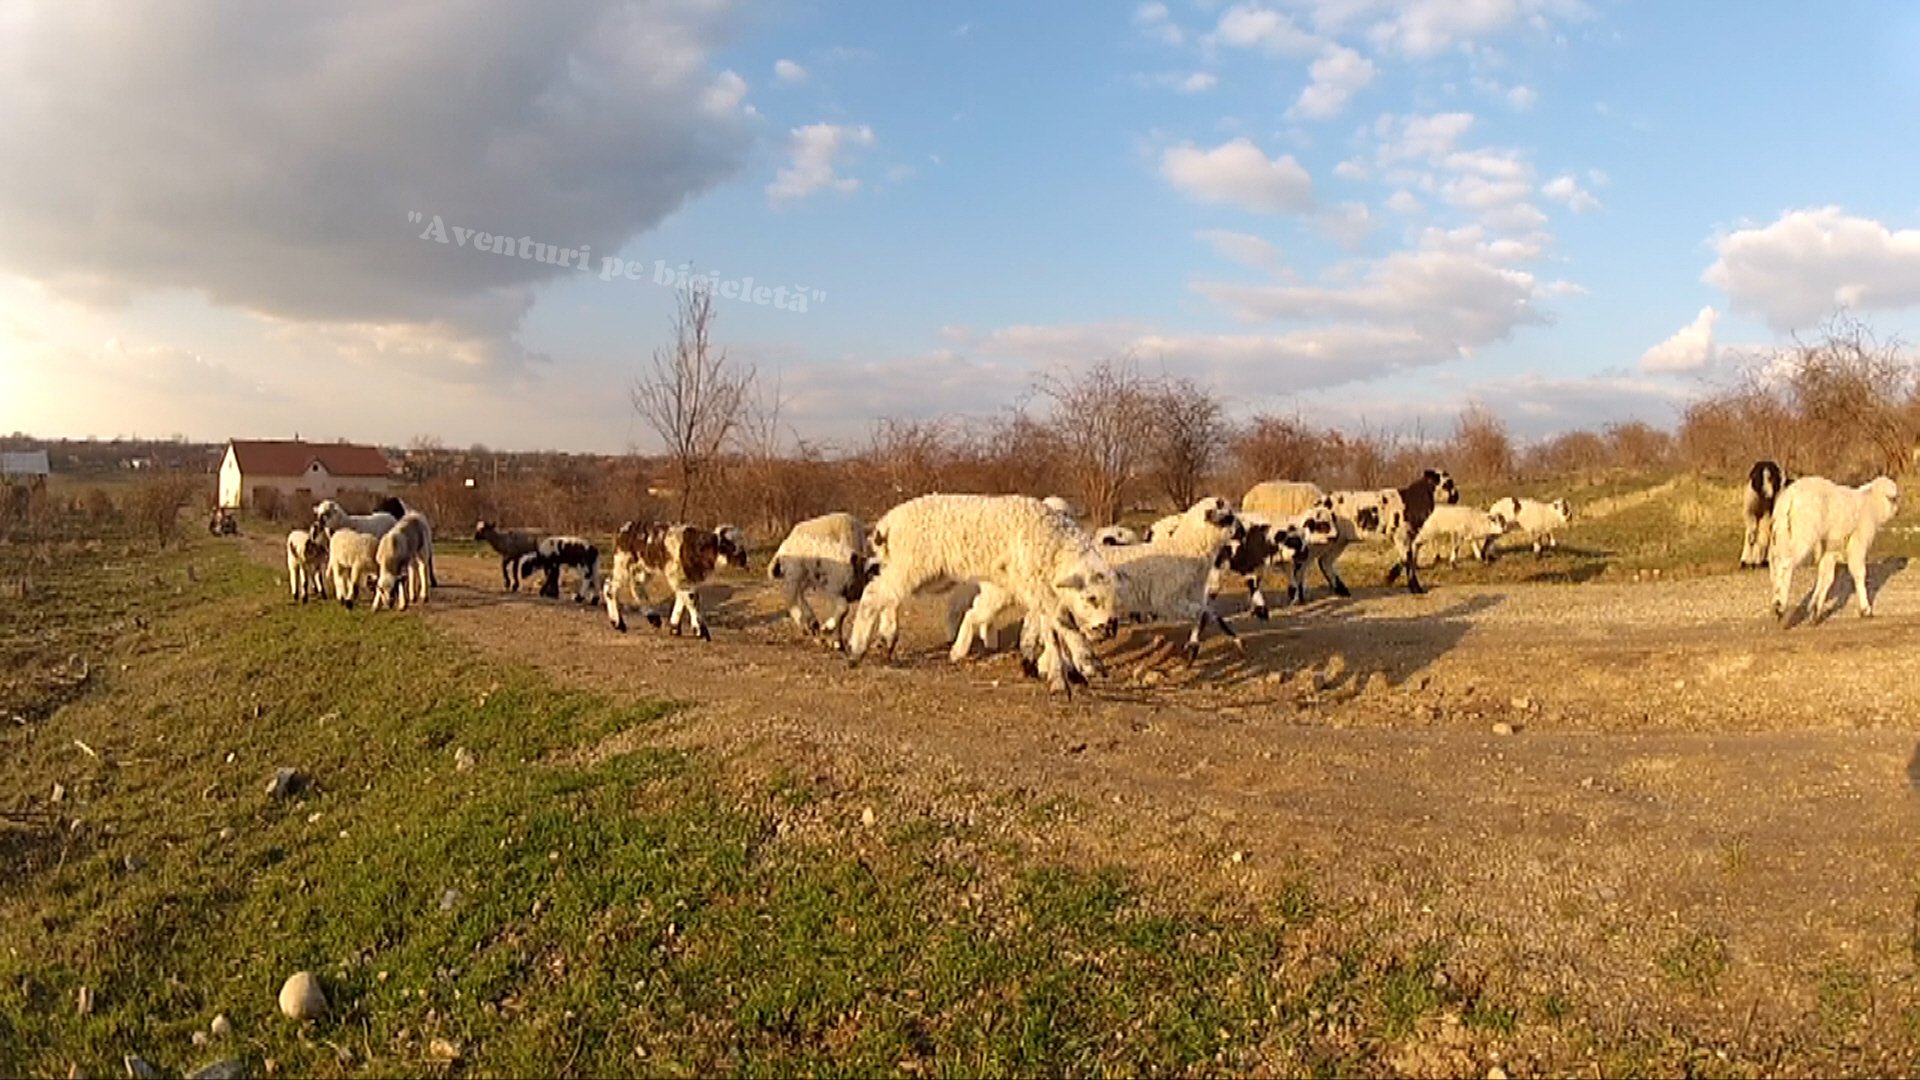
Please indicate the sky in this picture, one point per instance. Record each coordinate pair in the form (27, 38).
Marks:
(220, 218)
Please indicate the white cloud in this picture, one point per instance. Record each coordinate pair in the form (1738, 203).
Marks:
(1198, 83)
(1421, 138)
(787, 71)
(1806, 264)
(1154, 21)
(1253, 26)
(1689, 349)
(1352, 169)
(1337, 75)
(1349, 223)
(1243, 248)
(586, 127)
(1521, 98)
(1425, 27)
(1238, 174)
(813, 152)
(1565, 189)
(1405, 202)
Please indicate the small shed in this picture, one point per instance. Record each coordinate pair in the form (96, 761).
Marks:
(24, 465)
(300, 470)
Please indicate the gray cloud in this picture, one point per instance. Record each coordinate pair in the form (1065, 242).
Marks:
(267, 155)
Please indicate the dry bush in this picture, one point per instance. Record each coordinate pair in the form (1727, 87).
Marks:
(1575, 454)
(693, 397)
(903, 459)
(1279, 448)
(1638, 446)
(1189, 439)
(269, 503)
(1104, 418)
(97, 506)
(1481, 452)
(153, 506)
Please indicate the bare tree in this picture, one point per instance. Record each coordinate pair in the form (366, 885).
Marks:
(693, 398)
(1190, 439)
(1850, 390)
(1106, 419)
(1481, 451)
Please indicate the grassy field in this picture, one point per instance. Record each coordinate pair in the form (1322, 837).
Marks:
(545, 908)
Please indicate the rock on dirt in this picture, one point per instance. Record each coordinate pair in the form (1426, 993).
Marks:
(224, 1069)
(301, 998)
(286, 781)
(1503, 728)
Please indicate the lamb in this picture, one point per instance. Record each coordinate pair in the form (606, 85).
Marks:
(1165, 579)
(1453, 525)
(828, 554)
(734, 539)
(1396, 514)
(685, 555)
(1765, 481)
(1058, 505)
(1539, 520)
(352, 557)
(1284, 544)
(1115, 536)
(330, 517)
(1411, 506)
(307, 564)
(512, 545)
(1289, 500)
(1045, 561)
(392, 505)
(402, 555)
(1815, 517)
(556, 553)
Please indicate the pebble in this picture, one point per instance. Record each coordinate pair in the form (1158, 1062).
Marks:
(463, 759)
(221, 1026)
(866, 817)
(226, 833)
(301, 998)
(1522, 704)
(285, 782)
(1496, 1073)
(224, 1069)
(1502, 728)
(448, 899)
(59, 791)
(199, 1038)
(444, 1050)
(84, 1004)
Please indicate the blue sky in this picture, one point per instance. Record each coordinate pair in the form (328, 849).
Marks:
(1363, 212)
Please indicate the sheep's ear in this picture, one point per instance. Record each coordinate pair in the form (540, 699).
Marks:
(1073, 582)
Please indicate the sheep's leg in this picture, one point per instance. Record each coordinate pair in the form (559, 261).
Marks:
(687, 602)
(1782, 571)
(621, 581)
(1207, 614)
(1326, 561)
(867, 620)
(1256, 600)
(1857, 569)
(799, 610)
(1413, 573)
(509, 572)
(831, 627)
(1823, 583)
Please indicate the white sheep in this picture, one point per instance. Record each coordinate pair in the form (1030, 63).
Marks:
(1539, 520)
(352, 557)
(1115, 536)
(1048, 563)
(1165, 579)
(331, 517)
(1058, 505)
(402, 557)
(307, 564)
(828, 554)
(1455, 525)
(1815, 517)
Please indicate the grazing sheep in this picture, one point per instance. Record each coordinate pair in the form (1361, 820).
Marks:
(1454, 525)
(1045, 561)
(402, 555)
(330, 517)
(307, 564)
(827, 554)
(1765, 481)
(352, 557)
(685, 555)
(1115, 536)
(1815, 517)
(1539, 520)
(512, 545)
(557, 553)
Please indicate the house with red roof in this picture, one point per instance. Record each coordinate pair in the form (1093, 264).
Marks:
(300, 471)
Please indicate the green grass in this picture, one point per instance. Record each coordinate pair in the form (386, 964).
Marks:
(547, 911)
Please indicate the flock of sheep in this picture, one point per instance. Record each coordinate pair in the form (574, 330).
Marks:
(1007, 560)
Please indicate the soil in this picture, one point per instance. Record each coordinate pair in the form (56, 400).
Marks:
(1587, 792)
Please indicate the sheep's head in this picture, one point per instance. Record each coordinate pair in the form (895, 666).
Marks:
(1564, 508)
(482, 530)
(1317, 524)
(1887, 493)
(731, 546)
(1444, 489)
(1089, 591)
(864, 571)
(328, 515)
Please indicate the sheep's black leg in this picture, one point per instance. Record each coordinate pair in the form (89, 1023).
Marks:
(1413, 575)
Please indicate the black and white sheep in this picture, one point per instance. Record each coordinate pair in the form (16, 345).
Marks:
(1819, 519)
(826, 555)
(555, 554)
(402, 557)
(685, 555)
(1539, 520)
(1115, 536)
(1393, 514)
(1042, 558)
(307, 564)
(1278, 545)
(1765, 481)
(512, 545)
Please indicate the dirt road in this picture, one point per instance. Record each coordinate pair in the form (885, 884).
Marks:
(1699, 821)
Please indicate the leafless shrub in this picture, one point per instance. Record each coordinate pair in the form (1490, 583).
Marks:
(1190, 435)
(1567, 456)
(153, 506)
(692, 397)
(1481, 452)
(1104, 419)
(1638, 445)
